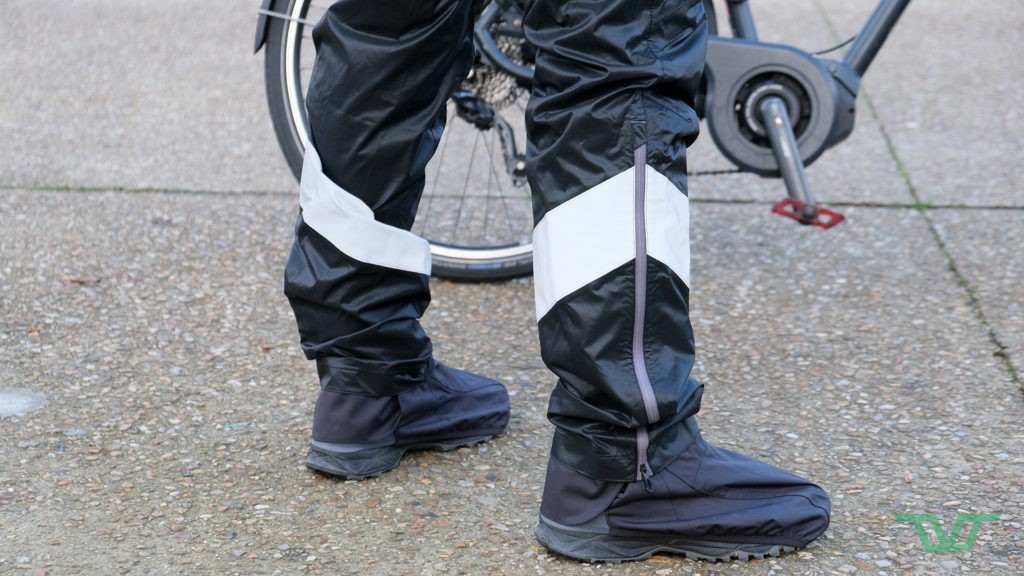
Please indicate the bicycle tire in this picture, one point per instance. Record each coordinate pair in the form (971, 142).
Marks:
(471, 250)
(289, 122)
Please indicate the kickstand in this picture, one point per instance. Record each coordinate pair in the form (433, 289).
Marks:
(800, 205)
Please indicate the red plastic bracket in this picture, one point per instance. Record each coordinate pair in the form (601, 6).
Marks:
(793, 208)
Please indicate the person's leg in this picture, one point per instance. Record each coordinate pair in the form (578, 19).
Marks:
(356, 278)
(608, 125)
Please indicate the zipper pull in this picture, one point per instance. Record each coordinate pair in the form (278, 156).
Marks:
(645, 475)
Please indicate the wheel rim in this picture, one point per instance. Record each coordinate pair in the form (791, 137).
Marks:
(298, 64)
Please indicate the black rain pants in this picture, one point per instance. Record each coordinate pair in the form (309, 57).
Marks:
(608, 124)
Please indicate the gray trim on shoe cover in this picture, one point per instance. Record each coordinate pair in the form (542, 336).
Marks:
(593, 542)
(356, 464)
(330, 447)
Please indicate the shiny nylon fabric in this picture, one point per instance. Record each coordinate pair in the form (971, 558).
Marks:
(710, 493)
(705, 494)
(376, 103)
(613, 77)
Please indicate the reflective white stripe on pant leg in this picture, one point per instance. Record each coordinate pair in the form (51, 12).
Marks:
(668, 224)
(592, 234)
(348, 223)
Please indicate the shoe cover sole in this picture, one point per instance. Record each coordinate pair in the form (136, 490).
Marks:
(603, 547)
(372, 463)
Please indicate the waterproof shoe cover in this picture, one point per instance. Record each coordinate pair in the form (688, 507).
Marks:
(357, 437)
(708, 504)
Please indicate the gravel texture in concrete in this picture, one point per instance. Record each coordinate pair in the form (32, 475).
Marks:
(155, 405)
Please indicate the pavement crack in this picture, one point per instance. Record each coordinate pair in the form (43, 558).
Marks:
(923, 208)
(90, 189)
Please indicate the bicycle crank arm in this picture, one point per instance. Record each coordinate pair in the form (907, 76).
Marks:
(800, 205)
(772, 110)
(740, 74)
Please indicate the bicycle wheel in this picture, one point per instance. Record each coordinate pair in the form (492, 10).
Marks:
(286, 69)
(475, 210)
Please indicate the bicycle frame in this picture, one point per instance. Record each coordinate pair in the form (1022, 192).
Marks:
(873, 34)
(866, 45)
(512, 11)
(797, 103)
(771, 109)
(828, 87)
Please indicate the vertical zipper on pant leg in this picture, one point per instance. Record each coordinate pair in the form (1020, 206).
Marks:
(643, 468)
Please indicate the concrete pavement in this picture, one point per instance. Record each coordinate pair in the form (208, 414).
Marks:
(146, 212)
